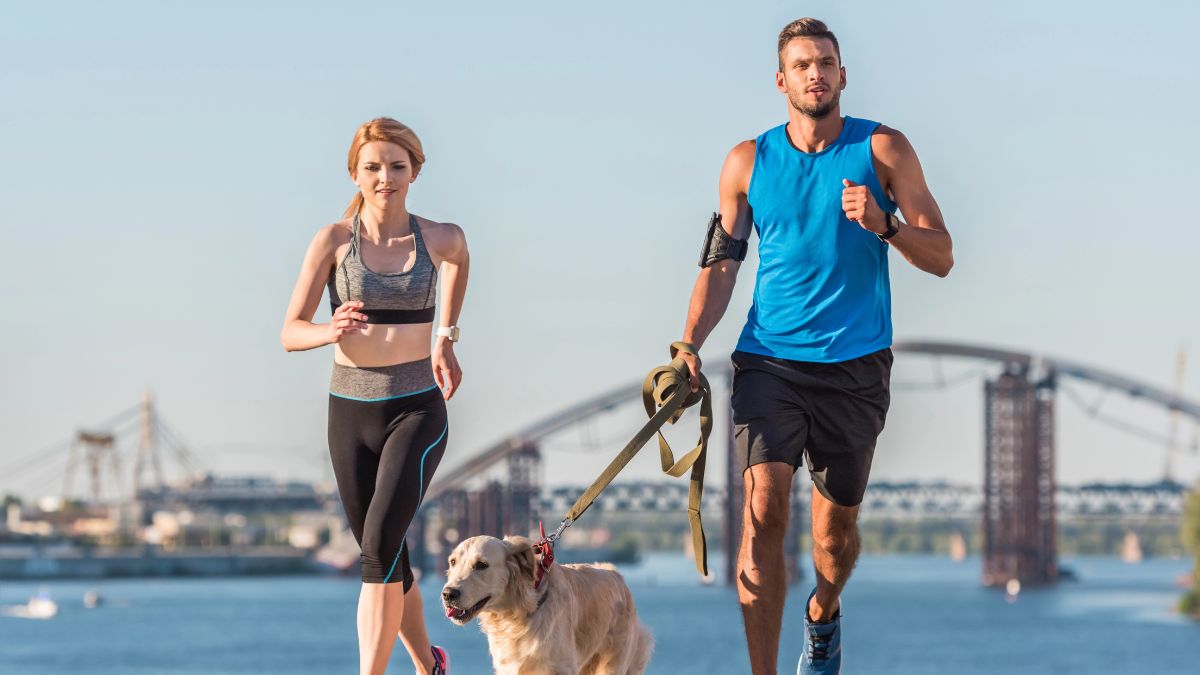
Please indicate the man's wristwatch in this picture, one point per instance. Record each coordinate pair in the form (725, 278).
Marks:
(893, 226)
(451, 332)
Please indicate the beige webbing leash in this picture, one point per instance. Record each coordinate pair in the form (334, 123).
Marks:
(666, 393)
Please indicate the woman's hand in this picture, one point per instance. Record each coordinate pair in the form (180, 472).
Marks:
(347, 320)
(445, 367)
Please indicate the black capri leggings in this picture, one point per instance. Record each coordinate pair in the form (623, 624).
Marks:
(384, 455)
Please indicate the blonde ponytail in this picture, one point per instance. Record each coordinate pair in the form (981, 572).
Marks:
(355, 206)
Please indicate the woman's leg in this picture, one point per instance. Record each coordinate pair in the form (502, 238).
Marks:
(406, 465)
(354, 427)
(380, 615)
(413, 634)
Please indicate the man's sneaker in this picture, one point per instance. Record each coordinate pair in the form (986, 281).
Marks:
(441, 661)
(822, 644)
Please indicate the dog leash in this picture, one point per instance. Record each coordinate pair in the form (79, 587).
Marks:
(666, 393)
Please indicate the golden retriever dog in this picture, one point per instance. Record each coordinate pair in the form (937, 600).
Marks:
(581, 620)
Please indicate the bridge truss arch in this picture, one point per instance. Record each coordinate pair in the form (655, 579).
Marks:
(1019, 520)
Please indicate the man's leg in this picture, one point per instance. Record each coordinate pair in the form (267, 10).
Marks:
(836, 544)
(761, 572)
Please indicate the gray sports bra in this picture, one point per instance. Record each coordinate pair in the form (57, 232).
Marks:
(405, 297)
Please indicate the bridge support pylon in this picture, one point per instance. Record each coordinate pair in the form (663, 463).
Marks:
(525, 490)
(1019, 529)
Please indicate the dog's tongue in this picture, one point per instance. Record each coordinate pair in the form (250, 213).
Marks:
(452, 613)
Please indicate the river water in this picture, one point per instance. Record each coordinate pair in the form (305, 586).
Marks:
(903, 615)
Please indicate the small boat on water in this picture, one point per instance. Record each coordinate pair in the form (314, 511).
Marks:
(958, 547)
(38, 607)
(92, 599)
(1131, 549)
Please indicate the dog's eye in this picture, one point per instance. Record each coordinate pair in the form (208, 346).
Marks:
(452, 562)
(481, 565)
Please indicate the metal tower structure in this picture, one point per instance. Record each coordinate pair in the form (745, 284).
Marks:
(524, 489)
(1018, 504)
(98, 450)
(147, 444)
(104, 451)
(1019, 527)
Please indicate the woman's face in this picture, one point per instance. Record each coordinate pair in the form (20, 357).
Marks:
(383, 174)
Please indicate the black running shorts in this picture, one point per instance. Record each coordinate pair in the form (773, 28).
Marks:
(831, 412)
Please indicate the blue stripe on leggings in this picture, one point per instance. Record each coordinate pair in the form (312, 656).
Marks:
(420, 496)
(393, 567)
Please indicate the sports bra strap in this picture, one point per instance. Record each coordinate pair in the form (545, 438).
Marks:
(418, 240)
(355, 228)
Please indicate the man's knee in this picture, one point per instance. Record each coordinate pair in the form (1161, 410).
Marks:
(768, 511)
(836, 540)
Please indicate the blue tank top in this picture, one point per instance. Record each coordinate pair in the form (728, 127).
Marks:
(822, 292)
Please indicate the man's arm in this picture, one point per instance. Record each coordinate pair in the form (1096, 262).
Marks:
(922, 239)
(714, 285)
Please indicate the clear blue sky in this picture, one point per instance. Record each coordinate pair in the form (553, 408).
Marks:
(166, 164)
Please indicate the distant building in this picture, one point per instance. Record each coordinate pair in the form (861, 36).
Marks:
(245, 495)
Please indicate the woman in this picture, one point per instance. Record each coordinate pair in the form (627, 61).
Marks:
(387, 416)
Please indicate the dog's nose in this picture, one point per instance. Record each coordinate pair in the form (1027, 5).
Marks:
(449, 594)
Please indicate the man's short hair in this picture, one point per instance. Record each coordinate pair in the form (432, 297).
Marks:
(807, 27)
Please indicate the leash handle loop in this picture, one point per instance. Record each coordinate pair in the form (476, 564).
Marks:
(685, 347)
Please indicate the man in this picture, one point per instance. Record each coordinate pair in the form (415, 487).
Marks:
(813, 361)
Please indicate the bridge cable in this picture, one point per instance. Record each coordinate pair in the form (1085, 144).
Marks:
(1094, 413)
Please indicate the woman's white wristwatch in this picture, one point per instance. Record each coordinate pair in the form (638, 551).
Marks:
(451, 332)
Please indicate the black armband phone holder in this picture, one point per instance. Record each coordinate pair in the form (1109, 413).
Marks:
(718, 245)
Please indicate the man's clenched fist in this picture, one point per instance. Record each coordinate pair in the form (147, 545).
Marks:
(860, 206)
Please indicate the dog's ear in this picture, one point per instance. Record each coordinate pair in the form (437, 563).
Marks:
(521, 560)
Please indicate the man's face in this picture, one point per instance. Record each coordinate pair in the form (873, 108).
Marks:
(812, 76)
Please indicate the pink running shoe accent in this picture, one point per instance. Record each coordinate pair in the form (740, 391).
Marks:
(441, 661)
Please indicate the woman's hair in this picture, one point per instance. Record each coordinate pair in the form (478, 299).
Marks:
(391, 131)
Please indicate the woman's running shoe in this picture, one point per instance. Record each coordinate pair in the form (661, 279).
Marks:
(441, 661)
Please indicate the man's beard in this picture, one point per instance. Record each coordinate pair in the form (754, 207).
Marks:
(819, 111)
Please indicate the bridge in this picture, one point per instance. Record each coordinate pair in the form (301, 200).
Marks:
(99, 452)
(1018, 496)
(498, 489)
(908, 500)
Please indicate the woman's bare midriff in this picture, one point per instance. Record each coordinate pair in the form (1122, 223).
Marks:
(384, 345)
